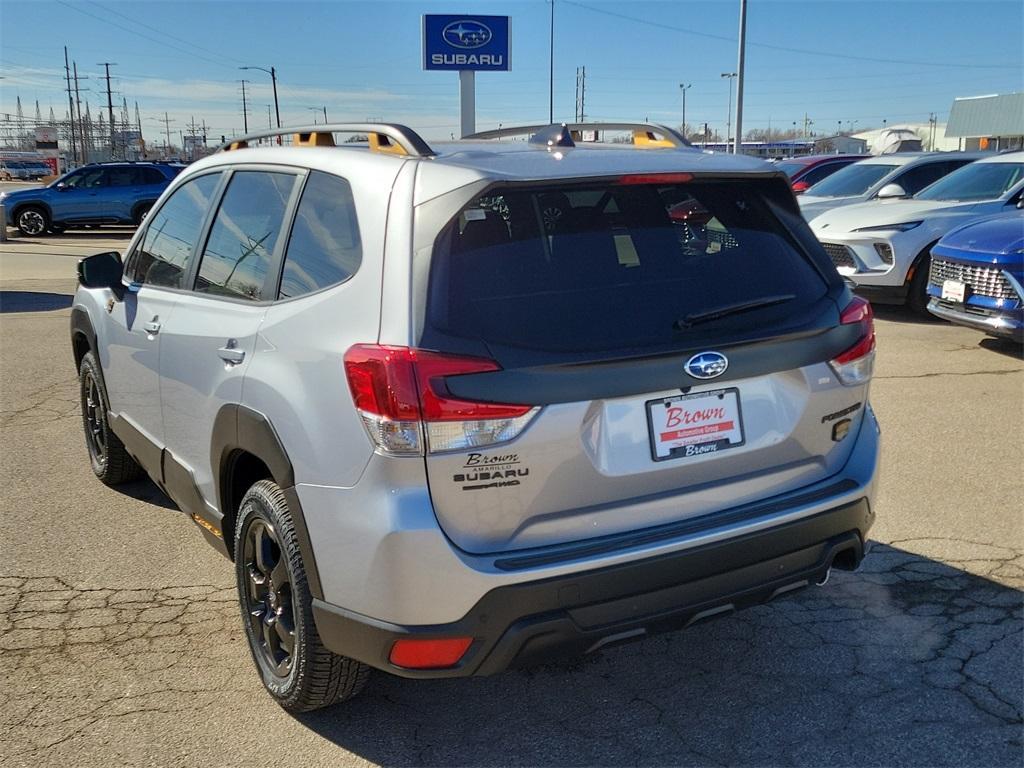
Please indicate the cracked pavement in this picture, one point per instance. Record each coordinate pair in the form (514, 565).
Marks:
(121, 641)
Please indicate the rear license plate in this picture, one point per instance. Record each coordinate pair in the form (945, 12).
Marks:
(954, 290)
(694, 425)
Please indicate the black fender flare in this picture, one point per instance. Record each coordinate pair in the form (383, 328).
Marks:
(81, 325)
(19, 206)
(237, 429)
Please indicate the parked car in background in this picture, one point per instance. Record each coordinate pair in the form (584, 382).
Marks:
(977, 276)
(884, 245)
(101, 193)
(885, 177)
(805, 172)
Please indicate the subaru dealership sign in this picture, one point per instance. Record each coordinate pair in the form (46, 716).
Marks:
(478, 43)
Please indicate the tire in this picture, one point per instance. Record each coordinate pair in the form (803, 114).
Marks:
(140, 213)
(57, 229)
(32, 220)
(917, 291)
(110, 461)
(277, 609)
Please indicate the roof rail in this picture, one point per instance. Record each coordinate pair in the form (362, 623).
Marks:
(391, 138)
(646, 135)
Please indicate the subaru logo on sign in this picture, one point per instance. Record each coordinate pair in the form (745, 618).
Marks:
(467, 34)
(707, 365)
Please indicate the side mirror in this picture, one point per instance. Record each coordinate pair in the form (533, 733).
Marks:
(62, 187)
(104, 270)
(800, 187)
(890, 191)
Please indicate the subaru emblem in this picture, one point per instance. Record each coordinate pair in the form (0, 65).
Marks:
(707, 365)
(466, 34)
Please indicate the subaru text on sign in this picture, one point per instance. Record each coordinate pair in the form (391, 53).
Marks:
(478, 43)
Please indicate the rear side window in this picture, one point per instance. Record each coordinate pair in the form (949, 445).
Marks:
(121, 177)
(916, 179)
(149, 176)
(324, 248)
(613, 269)
(171, 234)
(244, 235)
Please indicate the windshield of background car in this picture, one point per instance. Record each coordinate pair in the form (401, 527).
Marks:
(613, 268)
(791, 169)
(852, 180)
(977, 181)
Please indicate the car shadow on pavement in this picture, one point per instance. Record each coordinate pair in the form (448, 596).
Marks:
(909, 661)
(903, 314)
(30, 301)
(1002, 347)
(146, 490)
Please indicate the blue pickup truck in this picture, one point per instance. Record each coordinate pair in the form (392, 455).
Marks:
(977, 276)
(101, 193)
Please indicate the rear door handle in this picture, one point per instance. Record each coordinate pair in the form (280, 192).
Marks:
(230, 353)
(152, 327)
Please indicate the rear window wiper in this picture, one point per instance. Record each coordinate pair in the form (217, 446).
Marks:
(730, 309)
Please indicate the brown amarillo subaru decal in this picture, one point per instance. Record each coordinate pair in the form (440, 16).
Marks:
(498, 471)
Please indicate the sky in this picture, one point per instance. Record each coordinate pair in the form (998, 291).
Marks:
(843, 63)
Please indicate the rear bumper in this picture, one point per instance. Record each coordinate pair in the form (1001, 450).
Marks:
(520, 624)
(1008, 324)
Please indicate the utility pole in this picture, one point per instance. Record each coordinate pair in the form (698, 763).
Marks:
(581, 93)
(807, 122)
(81, 124)
(167, 127)
(728, 117)
(683, 88)
(932, 125)
(71, 107)
(738, 143)
(245, 108)
(551, 68)
(110, 106)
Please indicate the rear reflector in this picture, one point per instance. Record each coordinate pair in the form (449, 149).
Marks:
(401, 395)
(429, 654)
(857, 364)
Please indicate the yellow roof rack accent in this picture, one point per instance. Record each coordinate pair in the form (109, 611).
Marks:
(647, 140)
(645, 135)
(313, 139)
(381, 143)
(387, 138)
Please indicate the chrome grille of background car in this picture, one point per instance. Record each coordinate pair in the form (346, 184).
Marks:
(841, 255)
(987, 281)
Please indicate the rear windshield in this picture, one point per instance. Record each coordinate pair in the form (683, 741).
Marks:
(852, 180)
(615, 268)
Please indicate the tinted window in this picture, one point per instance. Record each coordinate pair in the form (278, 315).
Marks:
(791, 168)
(852, 180)
(977, 181)
(612, 269)
(820, 172)
(916, 179)
(87, 179)
(148, 176)
(121, 177)
(324, 247)
(244, 235)
(163, 257)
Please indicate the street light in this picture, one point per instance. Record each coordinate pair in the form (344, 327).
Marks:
(683, 88)
(728, 119)
(273, 79)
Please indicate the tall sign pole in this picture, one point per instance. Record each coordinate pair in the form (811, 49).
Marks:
(467, 45)
(739, 78)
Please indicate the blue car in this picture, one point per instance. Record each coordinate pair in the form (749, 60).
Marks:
(977, 276)
(107, 193)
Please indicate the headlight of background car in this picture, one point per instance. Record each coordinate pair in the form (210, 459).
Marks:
(891, 227)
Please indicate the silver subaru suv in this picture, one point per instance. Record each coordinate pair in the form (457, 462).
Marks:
(455, 408)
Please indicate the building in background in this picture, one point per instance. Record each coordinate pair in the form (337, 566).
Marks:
(840, 145)
(994, 122)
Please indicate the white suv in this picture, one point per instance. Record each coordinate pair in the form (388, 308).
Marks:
(884, 245)
(454, 408)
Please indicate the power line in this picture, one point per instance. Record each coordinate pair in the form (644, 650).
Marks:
(787, 49)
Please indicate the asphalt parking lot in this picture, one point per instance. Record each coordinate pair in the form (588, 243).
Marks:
(121, 642)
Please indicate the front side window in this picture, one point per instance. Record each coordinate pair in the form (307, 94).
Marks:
(163, 258)
(324, 248)
(977, 181)
(87, 179)
(244, 236)
(852, 180)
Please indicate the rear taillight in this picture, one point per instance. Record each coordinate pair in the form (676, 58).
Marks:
(856, 364)
(406, 406)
